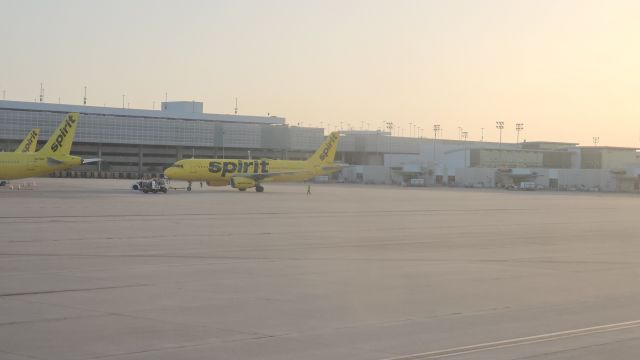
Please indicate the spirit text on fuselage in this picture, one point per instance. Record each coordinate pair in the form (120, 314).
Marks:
(239, 167)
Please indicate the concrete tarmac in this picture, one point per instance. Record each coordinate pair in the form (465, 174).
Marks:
(92, 270)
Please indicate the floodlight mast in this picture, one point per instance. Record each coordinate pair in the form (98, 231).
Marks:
(464, 135)
(519, 127)
(500, 126)
(436, 128)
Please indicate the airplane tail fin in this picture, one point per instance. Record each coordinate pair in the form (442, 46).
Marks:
(327, 151)
(60, 141)
(28, 145)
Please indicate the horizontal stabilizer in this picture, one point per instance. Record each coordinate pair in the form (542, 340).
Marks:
(89, 161)
(335, 167)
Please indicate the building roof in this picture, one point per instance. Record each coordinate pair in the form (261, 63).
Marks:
(509, 150)
(591, 147)
(100, 110)
(550, 143)
(366, 132)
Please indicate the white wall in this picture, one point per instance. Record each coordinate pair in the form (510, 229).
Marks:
(376, 174)
(588, 178)
(445, 146)
(371, 174)
(397, 160)
(475, 176)
(453, 160)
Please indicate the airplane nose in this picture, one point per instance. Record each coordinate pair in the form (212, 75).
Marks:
(169, 172)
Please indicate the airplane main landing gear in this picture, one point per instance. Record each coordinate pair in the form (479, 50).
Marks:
(259, 188)
(189, 186)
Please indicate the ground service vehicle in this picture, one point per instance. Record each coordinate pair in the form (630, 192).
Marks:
(153, 186)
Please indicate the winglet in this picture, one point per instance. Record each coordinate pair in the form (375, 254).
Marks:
(60, 141)
(327, 151)
(28, 145)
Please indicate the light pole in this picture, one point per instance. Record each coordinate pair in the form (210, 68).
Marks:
(596, 140)
(464, 136)
(222, 141)
(500, 126)
(436, 128)
(389, 125)
(519, 127)
(482, 134)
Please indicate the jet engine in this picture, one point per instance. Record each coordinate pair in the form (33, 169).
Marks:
(242, 184)
(217, 182)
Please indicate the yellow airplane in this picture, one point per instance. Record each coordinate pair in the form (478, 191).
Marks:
(243, 174)
(28, 145)
(53, 156)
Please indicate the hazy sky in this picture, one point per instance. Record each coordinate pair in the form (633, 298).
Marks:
(569, 70)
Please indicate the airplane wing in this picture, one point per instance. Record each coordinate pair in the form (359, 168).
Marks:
(262, 176)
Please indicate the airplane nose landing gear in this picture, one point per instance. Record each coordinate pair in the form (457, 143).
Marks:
(189, 186)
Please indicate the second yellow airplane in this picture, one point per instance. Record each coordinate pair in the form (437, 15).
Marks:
(53, 156)
(243, 174)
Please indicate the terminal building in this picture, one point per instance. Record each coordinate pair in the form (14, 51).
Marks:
(135, 142)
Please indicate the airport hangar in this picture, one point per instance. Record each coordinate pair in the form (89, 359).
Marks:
(138, 142)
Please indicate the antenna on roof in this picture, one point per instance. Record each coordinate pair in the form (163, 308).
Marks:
(84, 100)
(41, 93)
(236, 108)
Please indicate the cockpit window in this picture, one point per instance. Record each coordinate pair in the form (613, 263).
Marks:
(177, 166)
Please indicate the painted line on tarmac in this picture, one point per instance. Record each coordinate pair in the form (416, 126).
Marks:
(68, 290)
(462, 350)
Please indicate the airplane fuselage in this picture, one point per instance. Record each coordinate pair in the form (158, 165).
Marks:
(220, 171)
(24, 165)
